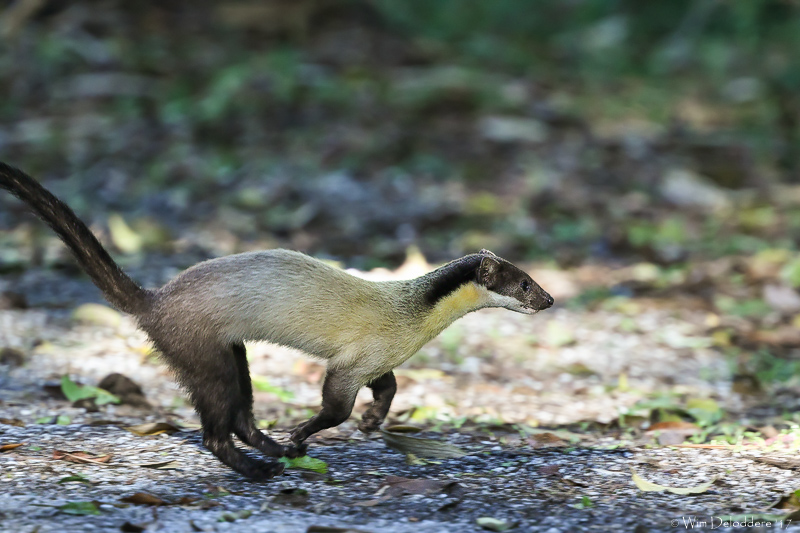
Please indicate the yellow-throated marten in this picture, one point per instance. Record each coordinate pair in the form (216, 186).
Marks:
(200, 320)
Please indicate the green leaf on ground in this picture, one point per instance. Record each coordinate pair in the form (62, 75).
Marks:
(75, 392)
(80, 508)
(74, 478)
(493, 524)
(306, 462)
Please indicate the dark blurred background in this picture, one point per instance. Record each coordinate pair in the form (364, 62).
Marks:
(569, 132)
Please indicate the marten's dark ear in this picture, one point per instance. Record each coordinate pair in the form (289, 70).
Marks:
(484, 251)
(488, 271)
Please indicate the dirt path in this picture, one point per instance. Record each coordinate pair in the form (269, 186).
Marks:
(483, 386)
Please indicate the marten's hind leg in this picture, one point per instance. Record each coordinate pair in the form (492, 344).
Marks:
(210, 374)
(244, 423)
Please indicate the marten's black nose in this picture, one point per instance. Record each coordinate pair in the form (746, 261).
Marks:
(549, 301)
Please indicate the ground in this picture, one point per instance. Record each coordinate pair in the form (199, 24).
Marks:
(531, 401)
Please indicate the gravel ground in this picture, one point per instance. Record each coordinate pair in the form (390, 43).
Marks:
(538, 490)
(504, 370)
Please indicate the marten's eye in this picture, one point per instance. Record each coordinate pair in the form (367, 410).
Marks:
(525, 286)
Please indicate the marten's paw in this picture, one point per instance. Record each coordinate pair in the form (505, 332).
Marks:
(294, 451)
(369, 424)
(262, 471)
(298, 434)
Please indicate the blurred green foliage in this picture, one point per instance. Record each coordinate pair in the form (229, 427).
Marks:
(539, 129)
(633, 54)
(611, 38)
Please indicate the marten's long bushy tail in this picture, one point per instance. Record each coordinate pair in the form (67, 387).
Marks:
(118, 288)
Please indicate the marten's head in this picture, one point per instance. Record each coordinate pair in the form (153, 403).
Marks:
(482, 280)
(514, 289)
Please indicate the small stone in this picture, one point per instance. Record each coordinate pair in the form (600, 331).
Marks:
(687, 189)
(781, 298)
(12, 357)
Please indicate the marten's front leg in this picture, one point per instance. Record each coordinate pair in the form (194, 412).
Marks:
(338, 396)
(383, 390)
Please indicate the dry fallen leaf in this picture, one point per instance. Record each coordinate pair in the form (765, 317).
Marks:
(563, 434)
(373, 502)
(785, 463)
(219, 489)
(421, 447)
(546, 440)
(81, 457)
(8, 447)
(153, 428)
(672, 431)
(142, 498)
(713, 446)
(787, 336)
(769, 432)
(674, 425)
(647, 486)
(403, 428)
(394, 486)
(789, 501)
(160, 465)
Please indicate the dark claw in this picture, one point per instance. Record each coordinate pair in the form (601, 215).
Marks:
(294, 436)
(295, 451)
(265, 471)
